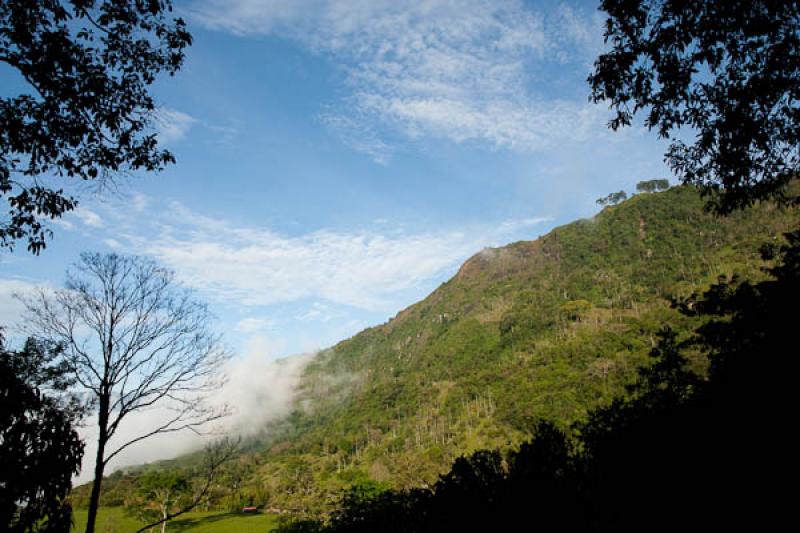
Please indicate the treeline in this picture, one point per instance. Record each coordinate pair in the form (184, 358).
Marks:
(682, 451)
(647, 186)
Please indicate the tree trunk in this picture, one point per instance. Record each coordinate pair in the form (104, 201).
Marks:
(99, 464)
(164, 515)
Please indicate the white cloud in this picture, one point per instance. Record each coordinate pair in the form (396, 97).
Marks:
(88, 217)
(114, 244)
(224, 135)
(317, 311)
(253, 325)
(370, 269)
(66, 224)
(139, 202)
(173, 125)
(247, 17)
(358, 135)
(259, 267)
(10, 308)
(459, 71)
(510, 226)
(260, 388)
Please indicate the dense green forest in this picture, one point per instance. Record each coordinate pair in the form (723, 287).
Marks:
(549, 330)
(680, 450)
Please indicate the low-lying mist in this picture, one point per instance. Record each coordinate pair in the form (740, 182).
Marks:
(258, 390)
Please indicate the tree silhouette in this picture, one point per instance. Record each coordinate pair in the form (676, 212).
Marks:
(727, 72)
(39, 448)
(84, 111)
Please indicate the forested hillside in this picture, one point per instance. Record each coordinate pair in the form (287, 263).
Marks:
(542, 330)
(536, 330)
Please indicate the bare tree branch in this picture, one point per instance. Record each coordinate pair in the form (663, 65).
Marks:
(136, 340)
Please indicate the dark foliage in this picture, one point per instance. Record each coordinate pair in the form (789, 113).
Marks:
(727, 71)
(681, 452)
(86, 112)
(39, 448)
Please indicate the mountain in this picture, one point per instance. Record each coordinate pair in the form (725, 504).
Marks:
(535, 330)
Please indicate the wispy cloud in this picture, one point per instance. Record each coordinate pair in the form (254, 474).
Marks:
(467, 71)
(509, 226)
(114, 244)
(254, 266)
(66, 224)
(365, 268)
(173, 125)
(88, 217)
(139, 202)
(358, 135)
(253, 325)
(224, 135)
(317, 311)
(10, 308)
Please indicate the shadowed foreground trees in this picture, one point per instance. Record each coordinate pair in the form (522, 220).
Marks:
(680, 452)
(724, 71)
(39, 447)
(134, 340)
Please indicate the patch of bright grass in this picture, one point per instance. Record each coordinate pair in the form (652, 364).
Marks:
(114, 520)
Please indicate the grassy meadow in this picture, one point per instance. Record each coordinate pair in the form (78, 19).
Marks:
(114, 520)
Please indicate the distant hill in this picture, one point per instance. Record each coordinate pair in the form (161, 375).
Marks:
(536, 330)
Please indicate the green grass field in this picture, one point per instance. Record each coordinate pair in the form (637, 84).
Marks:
(113, 520)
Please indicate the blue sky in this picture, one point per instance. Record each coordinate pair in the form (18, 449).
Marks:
(338, 160)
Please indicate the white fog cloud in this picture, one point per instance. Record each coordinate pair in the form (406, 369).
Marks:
(259, 389)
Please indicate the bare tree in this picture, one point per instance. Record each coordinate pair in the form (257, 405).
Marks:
(135, 340)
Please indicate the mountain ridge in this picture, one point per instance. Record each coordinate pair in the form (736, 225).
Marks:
(534, 330)
(542, 329)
